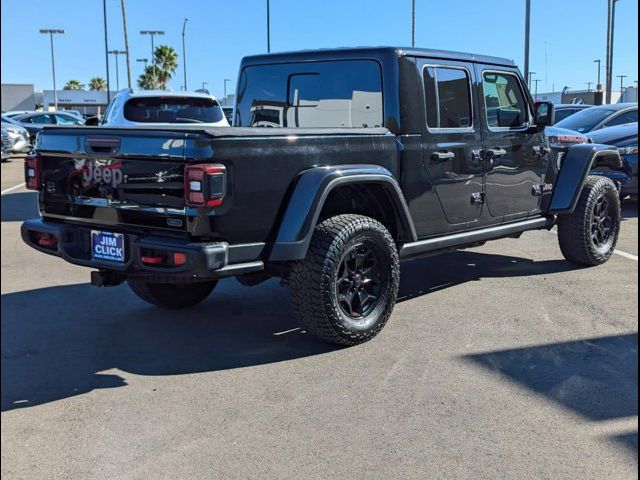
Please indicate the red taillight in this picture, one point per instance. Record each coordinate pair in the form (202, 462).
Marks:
(46, 240)
(204, 185)
(32, 175)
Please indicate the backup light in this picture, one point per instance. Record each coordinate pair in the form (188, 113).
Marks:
(204, 185)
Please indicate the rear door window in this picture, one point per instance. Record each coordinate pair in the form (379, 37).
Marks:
(627, 117)
(447, 97)
(504, 99)
(43, 119)
(342, 93)
(173, 110)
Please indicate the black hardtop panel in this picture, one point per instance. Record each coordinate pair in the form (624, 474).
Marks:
(371, 52)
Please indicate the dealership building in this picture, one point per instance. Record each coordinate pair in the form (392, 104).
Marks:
(24, 97)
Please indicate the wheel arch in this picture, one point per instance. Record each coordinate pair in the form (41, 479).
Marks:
(316, 193)
(579, 161)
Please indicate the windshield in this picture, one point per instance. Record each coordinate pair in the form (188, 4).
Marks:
(585, 120)
(173, 110)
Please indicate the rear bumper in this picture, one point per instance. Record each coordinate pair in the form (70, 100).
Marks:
(204, 260)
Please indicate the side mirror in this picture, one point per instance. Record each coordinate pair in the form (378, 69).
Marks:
(545, 114)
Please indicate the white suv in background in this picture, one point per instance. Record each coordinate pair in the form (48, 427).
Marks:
(158, 107)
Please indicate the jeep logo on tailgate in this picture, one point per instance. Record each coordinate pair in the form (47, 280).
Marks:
(108, 175)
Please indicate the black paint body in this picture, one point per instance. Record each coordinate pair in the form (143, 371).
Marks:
(278, 179)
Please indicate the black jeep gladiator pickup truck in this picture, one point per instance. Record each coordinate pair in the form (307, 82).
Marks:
(374, 155)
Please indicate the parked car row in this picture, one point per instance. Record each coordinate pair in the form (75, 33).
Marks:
(18, 136)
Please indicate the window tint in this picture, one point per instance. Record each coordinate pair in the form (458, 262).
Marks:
(172, 110)
(43, 119)
(626, 117)
(64, 120)
(563, 113)
(504, 100)
(448, 100)
(346, 93)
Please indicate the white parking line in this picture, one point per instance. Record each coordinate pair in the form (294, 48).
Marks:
(630, 256)
(11, 189)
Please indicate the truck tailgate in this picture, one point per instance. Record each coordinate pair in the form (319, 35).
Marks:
(118, 176)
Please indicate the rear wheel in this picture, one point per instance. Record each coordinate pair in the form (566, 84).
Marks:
(171, 295)
(589, 235)
(345, 289)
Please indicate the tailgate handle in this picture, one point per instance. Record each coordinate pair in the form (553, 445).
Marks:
(102, 145)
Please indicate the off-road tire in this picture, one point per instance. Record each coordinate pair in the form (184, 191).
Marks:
(576, 230)
(171, 295)
(315, 283)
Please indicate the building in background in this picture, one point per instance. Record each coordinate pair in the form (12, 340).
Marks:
(87, 102)
(587, 97)
(18, 96)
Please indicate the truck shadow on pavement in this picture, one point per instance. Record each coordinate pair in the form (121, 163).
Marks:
(57, 342)
(18, 207)
(596, 378)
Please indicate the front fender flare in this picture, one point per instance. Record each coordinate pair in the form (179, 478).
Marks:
(308, 197)
(578, 162)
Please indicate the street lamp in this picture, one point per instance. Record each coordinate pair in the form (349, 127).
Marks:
(116, 53)
(268, 27)
(537, 80)
(225, 91)
(527, 31)
(621, 77)
(598, 85)
(531, 74)
(184, 54)
(611, 17)
(51, 32)
(203, 86)
(413, 23)
(152, 34)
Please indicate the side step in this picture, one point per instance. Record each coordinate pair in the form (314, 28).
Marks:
(473, 236)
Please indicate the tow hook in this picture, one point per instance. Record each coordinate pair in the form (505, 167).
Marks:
(106, 279)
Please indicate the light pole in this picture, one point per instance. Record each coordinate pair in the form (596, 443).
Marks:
(225, 91)
(184, 54)
(106, 48)
(527, 30)
(413, 23)
(203, 86)
(611, 18)
(529, 77)
(268, 27)
(152, 34)
(51, 32)
(589, 86)
(116, 53)
(621, 77)
(598, 85)
(537, 80)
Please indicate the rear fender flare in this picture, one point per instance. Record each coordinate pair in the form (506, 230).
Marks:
(308, 197)
(576, 165)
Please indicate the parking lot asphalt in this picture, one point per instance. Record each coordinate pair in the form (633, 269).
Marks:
(499, 362)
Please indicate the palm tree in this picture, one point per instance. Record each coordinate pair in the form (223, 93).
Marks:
(148, 81)
(97, 83)
(166, 61)
(73, 85)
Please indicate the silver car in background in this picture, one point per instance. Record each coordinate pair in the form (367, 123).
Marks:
(6, 145)
(18, 135)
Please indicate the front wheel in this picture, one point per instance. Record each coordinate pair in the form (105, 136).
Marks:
(171, 295)
(589, 235)
(345, 289)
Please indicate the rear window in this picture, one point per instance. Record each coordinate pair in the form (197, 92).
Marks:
(345, 93)
(173, 110)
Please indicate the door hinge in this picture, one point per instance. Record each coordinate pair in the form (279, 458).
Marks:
(477, 198)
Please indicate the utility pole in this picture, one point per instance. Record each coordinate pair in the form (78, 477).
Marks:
(51, 32)
(413, 23)
(106, 48)
(126, 42)
(529, 78)
(203, 86)
(537, 80)
(589, 86)
(184, 54)
(527, 31)
(116, 53)
(268, 27)
(621, 77)
(152, 34)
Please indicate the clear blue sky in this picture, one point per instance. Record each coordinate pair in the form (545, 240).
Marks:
(220, 33)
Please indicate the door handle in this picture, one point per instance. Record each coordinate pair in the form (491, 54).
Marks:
(491, 153)
(442, 156)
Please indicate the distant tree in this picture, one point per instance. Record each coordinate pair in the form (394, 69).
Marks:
(148, 80)
(73, 85)
(97, 83)
(166, 62)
